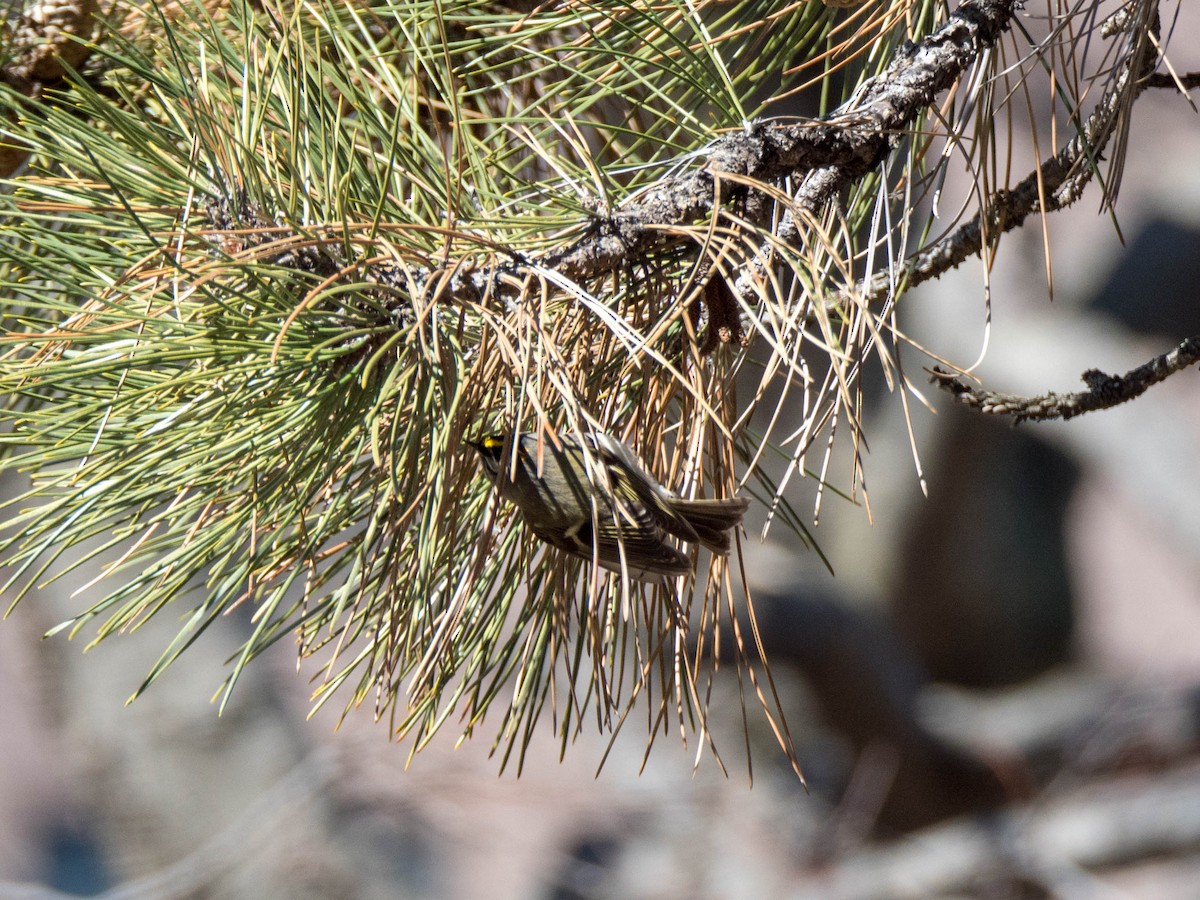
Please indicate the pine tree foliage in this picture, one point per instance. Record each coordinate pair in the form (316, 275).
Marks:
(270, 265)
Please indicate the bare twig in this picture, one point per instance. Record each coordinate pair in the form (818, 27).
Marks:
(1104, 391)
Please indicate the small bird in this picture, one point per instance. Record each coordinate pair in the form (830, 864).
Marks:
(621, 516)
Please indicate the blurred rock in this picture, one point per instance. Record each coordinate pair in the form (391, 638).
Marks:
(984, 593)
(1153, 288)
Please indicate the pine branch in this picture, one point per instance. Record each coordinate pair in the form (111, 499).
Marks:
(272, 266)
(847, 145)
(1053, 186)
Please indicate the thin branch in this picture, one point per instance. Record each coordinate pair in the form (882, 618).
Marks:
(1103, 392)
(1189, 81)
(1055, 185)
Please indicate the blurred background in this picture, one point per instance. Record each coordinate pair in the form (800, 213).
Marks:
(997, 694)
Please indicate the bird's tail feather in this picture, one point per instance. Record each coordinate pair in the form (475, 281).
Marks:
(711, 520)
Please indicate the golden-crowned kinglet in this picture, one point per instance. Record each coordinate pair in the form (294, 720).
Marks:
(620, 516)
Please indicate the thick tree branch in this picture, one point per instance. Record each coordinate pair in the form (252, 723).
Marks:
(1104, 391)
(851, 141)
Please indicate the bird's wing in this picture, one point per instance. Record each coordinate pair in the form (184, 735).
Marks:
(632, 482)
(638, 548)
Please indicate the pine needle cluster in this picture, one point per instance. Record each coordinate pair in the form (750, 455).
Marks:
(270, 265)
